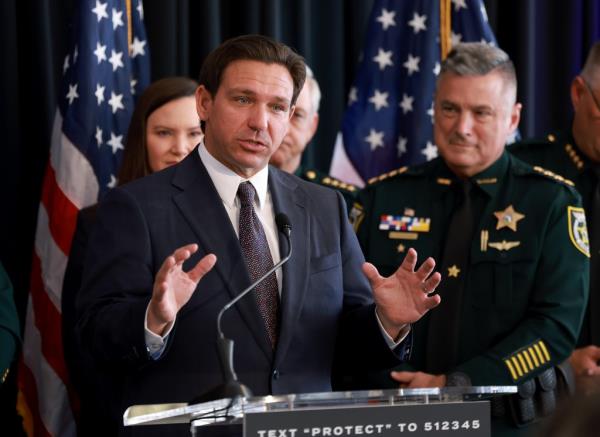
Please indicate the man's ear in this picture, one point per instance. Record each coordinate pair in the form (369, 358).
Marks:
(515, 116)
(203, 102)
(577, 91)
(314, 124)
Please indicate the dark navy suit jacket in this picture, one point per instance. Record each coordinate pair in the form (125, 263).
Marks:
(328, 324)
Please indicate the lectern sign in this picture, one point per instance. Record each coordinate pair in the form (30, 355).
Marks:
(417, 420)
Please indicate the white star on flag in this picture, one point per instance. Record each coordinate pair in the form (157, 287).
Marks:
(99, 93)
(379, 99)
(72, 94)
(455, 38)
(459, 4)
(66, 64)
(412, 64)
(115, 142)
(401, 146)
(437, 68)
(116, 60)
(117, 18)
(116, 102)
(430, 151)
(383, 58)
(375, 139)
(387, 18)
(100, 52)
(418, 22)
(352, 96)
(137, 47)
(140, 9)
(132, 84)
(407, 103)
(113, 181)
(431, 112)
(98, 136)
(100, 10)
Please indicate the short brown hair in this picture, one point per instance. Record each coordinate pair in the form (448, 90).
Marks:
(253, 48)
(135, 156)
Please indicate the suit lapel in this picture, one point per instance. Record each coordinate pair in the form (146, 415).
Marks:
(289, 199)
(203, 209)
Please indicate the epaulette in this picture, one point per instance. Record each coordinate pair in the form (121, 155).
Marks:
(387, 175)
(534, 142)
(552, 175)
(574, 156)
(330, 181)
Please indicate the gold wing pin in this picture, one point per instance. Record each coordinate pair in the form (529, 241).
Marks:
(504, 245)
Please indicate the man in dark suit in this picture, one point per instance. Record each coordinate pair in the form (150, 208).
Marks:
(151, 295)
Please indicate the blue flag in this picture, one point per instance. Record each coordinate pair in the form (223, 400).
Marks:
(389, 119)
(108, 66)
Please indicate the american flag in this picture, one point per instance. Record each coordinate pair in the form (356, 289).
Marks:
(389, 119)
(106, 67)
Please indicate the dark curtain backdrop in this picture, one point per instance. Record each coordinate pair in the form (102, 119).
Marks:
(547, 41)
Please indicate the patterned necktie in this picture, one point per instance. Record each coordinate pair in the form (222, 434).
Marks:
(258, 260)
(442, 337)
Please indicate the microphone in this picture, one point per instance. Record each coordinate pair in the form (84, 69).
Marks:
(232, 387)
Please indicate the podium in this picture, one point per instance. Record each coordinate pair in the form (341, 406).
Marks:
(459, 411)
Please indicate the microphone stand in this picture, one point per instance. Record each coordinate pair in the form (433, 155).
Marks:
(232, 387)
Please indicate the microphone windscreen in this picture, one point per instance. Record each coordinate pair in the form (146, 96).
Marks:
(283, 222)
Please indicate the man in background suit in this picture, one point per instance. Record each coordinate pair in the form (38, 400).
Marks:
(151, 295)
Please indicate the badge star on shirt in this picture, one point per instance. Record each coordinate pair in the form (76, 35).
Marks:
(453, 271)
(508, 218)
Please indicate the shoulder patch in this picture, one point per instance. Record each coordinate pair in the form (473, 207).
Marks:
(578, 229)
(390, 174)
(552, 175)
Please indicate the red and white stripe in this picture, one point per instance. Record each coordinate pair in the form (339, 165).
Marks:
(69, 185)
(341, 167)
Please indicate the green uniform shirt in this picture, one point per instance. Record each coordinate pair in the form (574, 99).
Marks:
(560, 154)
(9, 325)
(527, 279)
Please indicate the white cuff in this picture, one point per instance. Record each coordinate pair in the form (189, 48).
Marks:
(392, 344)
(155, 344)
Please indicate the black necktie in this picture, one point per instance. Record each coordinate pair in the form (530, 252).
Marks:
(442, 336)
(258, 260)
(594, 232)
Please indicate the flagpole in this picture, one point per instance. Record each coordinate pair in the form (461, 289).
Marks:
(445, 28)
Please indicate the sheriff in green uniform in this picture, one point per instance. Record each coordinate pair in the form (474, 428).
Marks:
(575, 155)
(10, 338)
(511, 243)
(303, 125)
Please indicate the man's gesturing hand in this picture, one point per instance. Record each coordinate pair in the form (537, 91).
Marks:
(173, 287)
(404, 297)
